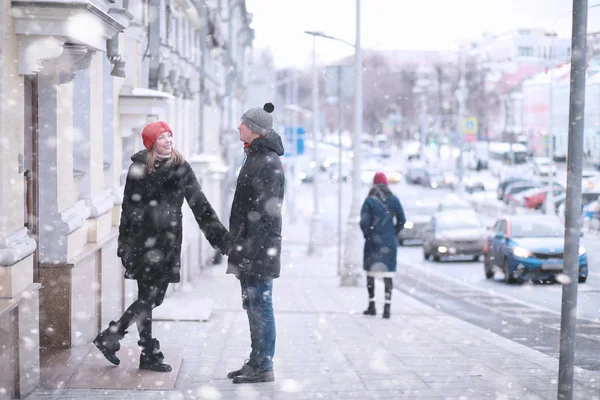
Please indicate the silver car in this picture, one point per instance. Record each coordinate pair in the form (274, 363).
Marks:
(418, 216)
(454, 233)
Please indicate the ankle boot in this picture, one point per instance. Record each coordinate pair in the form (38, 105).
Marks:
(108, 342)
(371, 309)
(151, 357)
(386, 311)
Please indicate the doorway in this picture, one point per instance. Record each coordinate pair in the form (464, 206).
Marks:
(30, 166)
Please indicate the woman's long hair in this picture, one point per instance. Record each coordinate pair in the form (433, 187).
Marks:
(152, 156)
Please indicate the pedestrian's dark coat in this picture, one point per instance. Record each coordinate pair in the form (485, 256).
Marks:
(377, 216)
(150, 232)
(255, 221)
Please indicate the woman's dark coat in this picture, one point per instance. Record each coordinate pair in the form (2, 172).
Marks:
(255, 221)
(150, 232)
(377, 216)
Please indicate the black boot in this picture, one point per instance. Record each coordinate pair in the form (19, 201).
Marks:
(108, 342)
(255, 375)
(248, 366)
(386, 311)
(151, 357)
(371, 310)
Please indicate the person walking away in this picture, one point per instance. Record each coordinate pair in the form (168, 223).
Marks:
(255, 227)
(150, 236)
(377, 216)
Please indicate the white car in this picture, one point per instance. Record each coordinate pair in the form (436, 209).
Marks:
(543, 167)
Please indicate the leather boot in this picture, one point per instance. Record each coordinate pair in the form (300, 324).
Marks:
(371, 309)
(386, 311)
(256, 375)
(248, 366)
(107, 342)
(151, 357)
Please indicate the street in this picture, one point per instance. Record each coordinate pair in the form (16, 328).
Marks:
(528, 313)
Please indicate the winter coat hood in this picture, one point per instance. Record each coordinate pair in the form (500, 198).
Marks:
(382, 192)
(140, 156)
(271, 141)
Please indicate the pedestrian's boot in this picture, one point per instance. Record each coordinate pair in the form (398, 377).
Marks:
(152, 358)
(371, 309)
(248, 366)
(108, 342)
(386, 311)
(255, 375)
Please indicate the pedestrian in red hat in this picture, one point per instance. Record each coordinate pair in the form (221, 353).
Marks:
(150, 236)
(377, 216)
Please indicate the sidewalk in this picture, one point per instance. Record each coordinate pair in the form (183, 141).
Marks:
(326, 348)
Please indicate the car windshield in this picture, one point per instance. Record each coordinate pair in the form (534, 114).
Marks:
(447, 224)
(536, 228)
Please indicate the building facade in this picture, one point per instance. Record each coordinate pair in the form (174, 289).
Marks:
(79, 80)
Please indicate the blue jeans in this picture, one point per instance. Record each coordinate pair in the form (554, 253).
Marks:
(257, 300)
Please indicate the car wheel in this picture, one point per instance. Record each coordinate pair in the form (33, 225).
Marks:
(436, 258)
(487, 267)
(582, 279)
(426, 256)
(508, 274)
(476, 258)
(401, 242)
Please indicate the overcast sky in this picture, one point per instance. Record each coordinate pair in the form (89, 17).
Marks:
(396, 24)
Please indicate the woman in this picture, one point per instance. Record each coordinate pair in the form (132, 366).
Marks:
(381, 239)
(150, 237)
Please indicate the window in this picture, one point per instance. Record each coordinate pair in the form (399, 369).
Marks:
(525, 51)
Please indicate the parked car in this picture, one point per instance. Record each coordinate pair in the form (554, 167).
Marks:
(418, 216)
(415, 173)
(543, 167)
(437, 178)
(590, 181)
(454, 233)
(587, 198)
(306, 169)
(527, 247)
(474, 184)
(535, 198)
(504, 183)
(518, 187)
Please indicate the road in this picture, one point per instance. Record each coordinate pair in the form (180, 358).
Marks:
(527, 313)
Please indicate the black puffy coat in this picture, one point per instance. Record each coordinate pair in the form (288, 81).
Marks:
(255, 221)
(150, 232)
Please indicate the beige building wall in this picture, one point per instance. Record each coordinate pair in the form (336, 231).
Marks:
(68, 192)
(12, 129)
(96, 125)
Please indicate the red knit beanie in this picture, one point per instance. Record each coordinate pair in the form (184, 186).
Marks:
(152, 131)
(380, 179)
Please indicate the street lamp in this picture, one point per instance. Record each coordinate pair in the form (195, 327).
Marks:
(353, 244)
(314, 235)
(314, 239)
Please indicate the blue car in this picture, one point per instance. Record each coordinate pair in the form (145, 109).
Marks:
(527, 247)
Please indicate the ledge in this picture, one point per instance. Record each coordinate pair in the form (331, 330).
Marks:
(43, 28)
(6, 305)
(137, 104)
(16, 247)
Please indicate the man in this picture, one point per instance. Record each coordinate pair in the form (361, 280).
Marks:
(255, 226)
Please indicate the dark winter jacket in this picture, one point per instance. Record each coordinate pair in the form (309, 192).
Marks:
(377, 216)
(255, 222)
(150, 232)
